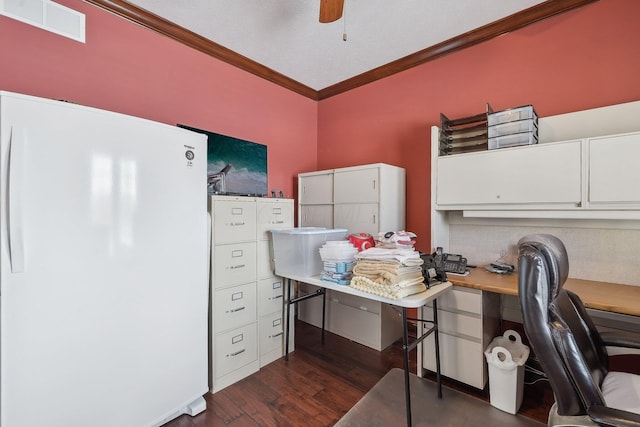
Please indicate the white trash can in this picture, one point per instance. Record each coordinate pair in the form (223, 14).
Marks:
(506, 356)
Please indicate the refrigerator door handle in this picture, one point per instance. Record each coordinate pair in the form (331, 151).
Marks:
(16, 177)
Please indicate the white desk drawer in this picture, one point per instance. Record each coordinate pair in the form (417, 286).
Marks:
(270, 296)
(234, 264)
(271, 332)
(234, 221)
(460, 359)
(235, 349)
(357, 325)
(234, 307)
(459, 324)
(461, 299)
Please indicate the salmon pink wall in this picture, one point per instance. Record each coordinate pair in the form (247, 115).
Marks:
(585, 58)
(129, 69)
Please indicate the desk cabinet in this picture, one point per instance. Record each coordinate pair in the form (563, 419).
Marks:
(369, 199)
(468, 320)
(246, 298)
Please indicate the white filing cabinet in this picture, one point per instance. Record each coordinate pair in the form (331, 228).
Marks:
(468, 320)
(272, 213)
(246, 298)
(370, 199)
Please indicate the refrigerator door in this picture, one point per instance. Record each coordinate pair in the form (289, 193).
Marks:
(103, 266)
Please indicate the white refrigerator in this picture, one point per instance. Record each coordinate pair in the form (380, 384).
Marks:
(103, 267)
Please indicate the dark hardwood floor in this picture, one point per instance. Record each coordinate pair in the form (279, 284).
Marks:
(319, 384)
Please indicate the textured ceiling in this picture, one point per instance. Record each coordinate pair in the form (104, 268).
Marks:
(285, 35)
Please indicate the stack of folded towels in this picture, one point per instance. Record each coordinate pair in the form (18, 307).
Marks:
(391, 272)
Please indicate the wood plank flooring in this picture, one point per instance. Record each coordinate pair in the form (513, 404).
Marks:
(319, 384)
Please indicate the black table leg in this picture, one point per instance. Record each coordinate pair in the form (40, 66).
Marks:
(287, 283)
(405, 349)
(436, 343)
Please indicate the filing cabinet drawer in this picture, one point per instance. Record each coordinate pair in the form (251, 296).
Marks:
(266, 266)
(272, 214)
(271, 333)
(234, 307)
(461, 299)
(270, 296)
(457, 324)
(456, 359)
(234, 264)
(235, 349)
(234, 221)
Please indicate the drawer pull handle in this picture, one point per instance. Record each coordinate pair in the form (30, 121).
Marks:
(277, 297)
(235, 267)
(277, 335)
(236, 310)
(234, 224)
(277, 222)
(237, 352)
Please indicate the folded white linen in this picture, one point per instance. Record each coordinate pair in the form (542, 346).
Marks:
(396, 291)
(404, 256)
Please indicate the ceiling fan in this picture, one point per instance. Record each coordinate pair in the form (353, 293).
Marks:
(330, 10)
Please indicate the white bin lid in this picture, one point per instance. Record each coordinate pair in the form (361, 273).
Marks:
(507, 351)
(308, 230)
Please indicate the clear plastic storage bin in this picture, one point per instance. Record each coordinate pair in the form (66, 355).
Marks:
(513, 140)
(527, 125)
(296, 251)
(511, 115)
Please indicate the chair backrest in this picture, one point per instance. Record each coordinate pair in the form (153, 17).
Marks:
(561, 333)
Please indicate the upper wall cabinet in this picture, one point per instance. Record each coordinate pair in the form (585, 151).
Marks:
(545, 175)
(614, 172)
(316, 188)
(586, 178)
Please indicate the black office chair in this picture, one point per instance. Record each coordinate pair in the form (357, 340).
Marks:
(569, 348)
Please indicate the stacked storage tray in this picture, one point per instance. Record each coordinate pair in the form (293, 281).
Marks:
(463, 135)
(512, 127)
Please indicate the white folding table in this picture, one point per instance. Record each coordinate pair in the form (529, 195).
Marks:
(413, 301)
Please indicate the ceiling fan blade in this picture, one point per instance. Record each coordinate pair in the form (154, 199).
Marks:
(330, 10)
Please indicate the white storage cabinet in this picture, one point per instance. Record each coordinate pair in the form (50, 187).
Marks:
(543, 175)
(468, 319)
(613, 171)
(370, 199)
(246, 298)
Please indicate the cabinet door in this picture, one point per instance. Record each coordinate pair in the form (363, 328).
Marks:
(316, 216)
(361, 218)
(315, 189)
(544, 174)
(356, 186)
(613, 170)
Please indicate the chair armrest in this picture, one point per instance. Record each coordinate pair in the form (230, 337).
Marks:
(621, 339)
(610, 417)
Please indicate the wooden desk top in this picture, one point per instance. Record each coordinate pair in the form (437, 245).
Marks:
(624, 299)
